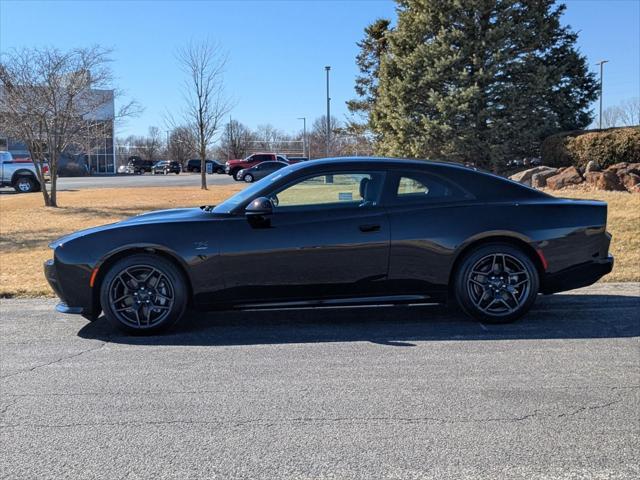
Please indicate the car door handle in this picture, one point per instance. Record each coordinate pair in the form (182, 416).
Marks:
(369, 228)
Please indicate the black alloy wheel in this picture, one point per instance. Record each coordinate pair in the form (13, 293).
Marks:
(143, 293)
(496, 283)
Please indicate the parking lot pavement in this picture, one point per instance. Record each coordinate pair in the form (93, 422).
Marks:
(146, 180)
(397, 392)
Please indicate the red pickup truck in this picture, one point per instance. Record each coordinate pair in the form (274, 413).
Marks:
(232, 167)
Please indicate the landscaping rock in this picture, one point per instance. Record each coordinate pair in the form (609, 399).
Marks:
(607, 180)
(539, 180)
(526, 175)
(569, 176)
(631, 168)
(618, 166)
(630, 181)
(592, 178)
(592, 167)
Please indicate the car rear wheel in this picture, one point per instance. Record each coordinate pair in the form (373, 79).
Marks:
(496, 283)
(143, 294)
(248, 178)
(25, 184)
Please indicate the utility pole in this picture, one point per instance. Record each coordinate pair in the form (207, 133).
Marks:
(327, 68)
(601, 63)
(304, 136)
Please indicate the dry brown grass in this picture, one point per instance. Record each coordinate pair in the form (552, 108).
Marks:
(26, 227)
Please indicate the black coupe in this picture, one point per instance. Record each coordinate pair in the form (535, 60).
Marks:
(338, 232)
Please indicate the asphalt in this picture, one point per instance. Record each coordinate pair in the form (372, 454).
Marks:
(375, 393)
(139, 181)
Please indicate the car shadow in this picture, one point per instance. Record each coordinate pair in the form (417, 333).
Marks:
(553, 317)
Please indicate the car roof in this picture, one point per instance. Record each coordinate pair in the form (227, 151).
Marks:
(382, 161)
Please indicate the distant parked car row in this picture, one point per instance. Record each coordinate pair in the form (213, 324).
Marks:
(524, 162)
(139, 166)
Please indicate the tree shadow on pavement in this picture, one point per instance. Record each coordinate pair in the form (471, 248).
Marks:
(553, 317)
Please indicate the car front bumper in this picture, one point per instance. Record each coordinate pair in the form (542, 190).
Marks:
(577, 276)
(52, 279)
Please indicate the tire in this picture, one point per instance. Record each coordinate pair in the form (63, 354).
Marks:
(234, 174)
(489, 292)
(248, 178)
(125, 293)
(25, 184)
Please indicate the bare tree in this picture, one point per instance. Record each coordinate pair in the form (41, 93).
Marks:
(54, 100)
(181, 144)
(206, 103)
(630, 112)
(153, 144)
(236, 140)
(611, 117)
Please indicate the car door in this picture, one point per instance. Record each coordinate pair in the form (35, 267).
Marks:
(425, 215)
(328, 237)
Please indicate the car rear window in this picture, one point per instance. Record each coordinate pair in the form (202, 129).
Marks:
(418, 187)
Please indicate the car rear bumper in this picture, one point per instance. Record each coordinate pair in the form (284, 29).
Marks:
(577, 276)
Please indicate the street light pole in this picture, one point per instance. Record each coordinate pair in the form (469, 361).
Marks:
(304, 136)
(601, 63)
(327, 68)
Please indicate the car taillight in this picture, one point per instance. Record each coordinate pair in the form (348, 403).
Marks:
(45, 169)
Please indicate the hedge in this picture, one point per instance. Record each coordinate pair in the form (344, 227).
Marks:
(605, 147)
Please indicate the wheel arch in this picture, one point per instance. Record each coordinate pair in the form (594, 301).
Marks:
(24, 172)
(511, 239)
(103, 266)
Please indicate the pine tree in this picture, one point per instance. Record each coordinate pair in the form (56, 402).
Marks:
(372, 47)
(479, 81)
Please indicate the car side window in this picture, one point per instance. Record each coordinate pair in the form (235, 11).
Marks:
(332, 190)
(421, 187)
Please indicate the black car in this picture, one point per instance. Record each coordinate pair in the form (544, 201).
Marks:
(338, 232)
(194, 165)
(259, 171)
(139, 166)
(166, 166)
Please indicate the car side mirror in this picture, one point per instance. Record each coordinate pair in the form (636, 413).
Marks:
(259, 207)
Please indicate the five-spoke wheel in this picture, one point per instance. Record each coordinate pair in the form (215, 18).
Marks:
(496, 283)
(143, 292)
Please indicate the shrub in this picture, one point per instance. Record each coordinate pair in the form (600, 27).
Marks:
(605, 147)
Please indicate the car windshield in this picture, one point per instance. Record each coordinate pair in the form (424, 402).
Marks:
(250, 192)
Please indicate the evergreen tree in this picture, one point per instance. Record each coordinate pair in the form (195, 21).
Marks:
(372, 47)
(479, 80)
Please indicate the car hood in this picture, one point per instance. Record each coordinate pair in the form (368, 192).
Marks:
(157, 216)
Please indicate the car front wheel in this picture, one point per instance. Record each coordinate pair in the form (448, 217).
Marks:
(496, 283)
(143, 294)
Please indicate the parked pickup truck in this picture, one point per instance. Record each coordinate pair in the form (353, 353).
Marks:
(232, 167)
(20, 174)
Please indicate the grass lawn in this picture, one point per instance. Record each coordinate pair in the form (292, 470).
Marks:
(26, 227)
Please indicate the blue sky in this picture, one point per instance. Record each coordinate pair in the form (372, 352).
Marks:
(277, 49)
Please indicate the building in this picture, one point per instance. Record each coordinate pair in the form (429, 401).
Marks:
(94, 154)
